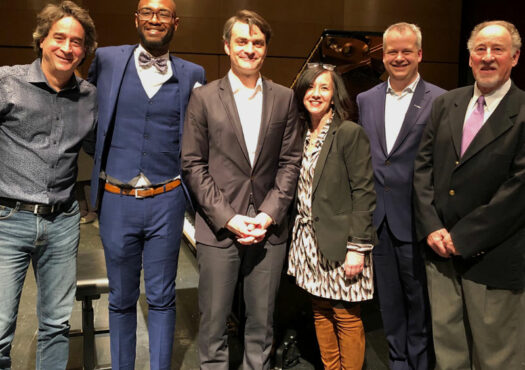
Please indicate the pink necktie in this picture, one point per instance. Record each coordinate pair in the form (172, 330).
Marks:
(473, 124)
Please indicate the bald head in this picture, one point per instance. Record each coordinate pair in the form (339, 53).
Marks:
(168, 4)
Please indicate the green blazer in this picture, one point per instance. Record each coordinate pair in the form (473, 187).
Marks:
(343, 196)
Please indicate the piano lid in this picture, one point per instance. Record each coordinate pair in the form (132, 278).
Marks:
(357, 55)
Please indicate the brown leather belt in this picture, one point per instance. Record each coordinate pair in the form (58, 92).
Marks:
(142, 193)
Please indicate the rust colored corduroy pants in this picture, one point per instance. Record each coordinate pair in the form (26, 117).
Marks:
(340, 334)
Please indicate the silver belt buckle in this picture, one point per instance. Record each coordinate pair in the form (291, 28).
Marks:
(137, 196)
(35, 210)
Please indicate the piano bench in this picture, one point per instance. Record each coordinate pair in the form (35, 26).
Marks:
(92, 281)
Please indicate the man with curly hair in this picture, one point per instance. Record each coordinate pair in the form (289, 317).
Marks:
(46, 114)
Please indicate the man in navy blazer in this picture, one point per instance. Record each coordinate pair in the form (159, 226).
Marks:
(394, 115)
(142, 96)
(469, 198)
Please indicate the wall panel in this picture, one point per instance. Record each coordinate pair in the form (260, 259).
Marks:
(296, 23)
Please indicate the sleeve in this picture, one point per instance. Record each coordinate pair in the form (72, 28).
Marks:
(358, 164)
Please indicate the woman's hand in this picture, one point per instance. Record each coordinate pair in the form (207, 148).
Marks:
(354, 263)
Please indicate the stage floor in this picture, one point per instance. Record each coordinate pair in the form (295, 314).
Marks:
(185, 348)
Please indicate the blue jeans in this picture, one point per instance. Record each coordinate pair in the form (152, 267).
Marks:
(50, 243)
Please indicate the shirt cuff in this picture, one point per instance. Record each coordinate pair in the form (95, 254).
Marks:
(358, 247)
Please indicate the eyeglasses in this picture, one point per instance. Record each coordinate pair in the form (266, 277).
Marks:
(328, 67)
(163, 15)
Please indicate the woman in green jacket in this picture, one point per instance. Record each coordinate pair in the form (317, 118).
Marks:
(333, 235)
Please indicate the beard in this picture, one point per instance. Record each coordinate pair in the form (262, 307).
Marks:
(162, 44)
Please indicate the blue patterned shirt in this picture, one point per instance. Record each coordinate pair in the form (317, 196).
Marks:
(41, 132)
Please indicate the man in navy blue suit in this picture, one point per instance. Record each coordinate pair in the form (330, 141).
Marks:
(394, 115)
(142, 97)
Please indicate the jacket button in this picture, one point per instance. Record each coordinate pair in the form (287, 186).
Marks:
(457, 163)
(316, 219)
(387, 163)
(451, 192)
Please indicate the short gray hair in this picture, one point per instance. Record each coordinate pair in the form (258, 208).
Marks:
(513, 31)
(402, 27)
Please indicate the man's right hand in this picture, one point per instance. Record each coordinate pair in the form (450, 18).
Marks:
(436, 241)
(244, 228)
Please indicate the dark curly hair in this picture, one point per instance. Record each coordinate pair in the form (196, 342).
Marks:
(53, 13)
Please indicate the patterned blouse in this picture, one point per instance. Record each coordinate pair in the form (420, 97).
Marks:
(312, 271)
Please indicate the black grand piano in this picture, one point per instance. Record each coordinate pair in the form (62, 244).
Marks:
(358, 59)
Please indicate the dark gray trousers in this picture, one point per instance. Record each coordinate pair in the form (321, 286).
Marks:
(260, 267)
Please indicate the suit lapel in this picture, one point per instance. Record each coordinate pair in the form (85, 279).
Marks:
(226, 96)
(121, 63)
(267, 109)
(184, 90)
(327, 144)
(184, 81)
(457, 117)
(380, 116)
(499, 122)
(419, 101)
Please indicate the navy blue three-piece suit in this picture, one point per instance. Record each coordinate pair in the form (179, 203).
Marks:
(137, 134)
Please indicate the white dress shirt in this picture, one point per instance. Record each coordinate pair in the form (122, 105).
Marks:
(396, 107)
(249, 107)
(492, 100)
(150, 77)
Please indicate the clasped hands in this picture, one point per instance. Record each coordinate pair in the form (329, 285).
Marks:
(249, 230)
(441, 242)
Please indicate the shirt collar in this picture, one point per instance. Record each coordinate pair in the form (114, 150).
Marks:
(492, 99)
(36, 76)
(238, 86)
(407, 90)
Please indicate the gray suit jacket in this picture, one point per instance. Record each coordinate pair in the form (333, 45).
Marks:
(216, 166)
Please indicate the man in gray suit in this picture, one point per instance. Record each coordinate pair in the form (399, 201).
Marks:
(241, 152)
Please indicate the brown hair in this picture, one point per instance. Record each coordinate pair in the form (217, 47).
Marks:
(53, 13)
(251, 18)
